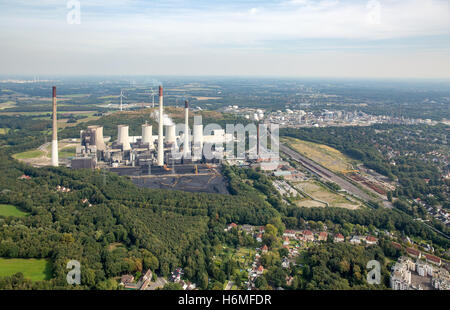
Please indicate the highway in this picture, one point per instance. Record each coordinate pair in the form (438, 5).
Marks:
(325, 173)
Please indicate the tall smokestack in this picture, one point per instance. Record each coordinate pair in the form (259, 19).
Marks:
(55, 159)
(187, 148)
(160, 129)
(257, 140)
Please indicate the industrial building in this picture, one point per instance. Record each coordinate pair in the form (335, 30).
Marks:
(159, 150)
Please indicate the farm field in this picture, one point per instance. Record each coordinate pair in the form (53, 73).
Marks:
(322, 195)
(31, 268)
(29, 154)
(9, 210)
(7, 104)
(326, 156)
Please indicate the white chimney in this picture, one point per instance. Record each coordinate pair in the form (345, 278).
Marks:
(187, 147)
(160, 129)
(55, 159)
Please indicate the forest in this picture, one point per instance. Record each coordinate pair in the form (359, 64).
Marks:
(126, 229)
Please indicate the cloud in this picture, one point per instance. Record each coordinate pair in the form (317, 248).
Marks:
(139, 30)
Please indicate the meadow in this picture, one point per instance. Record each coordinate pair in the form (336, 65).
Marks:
(9, 210)
(31, 268)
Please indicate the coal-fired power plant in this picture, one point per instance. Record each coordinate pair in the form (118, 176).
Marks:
(161, 128)
(55, 159)
(146, 152)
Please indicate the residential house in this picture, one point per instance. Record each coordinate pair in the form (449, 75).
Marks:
(259, 238)
(323, 235)
(286, 241)
(339, 238)
(231, 226)
(126, 278)
(308, 235)
(289, 234)
(413, 253)
(397, 245)
(433, 259)
(371, 240)
(264, 249)
(355, 240)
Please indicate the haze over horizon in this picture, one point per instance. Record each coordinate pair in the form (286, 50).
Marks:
(286, 38)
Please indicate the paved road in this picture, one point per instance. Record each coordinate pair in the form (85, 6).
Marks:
(325, 173)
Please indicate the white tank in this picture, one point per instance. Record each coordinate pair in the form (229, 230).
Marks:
(123, 138)
(147, 135)
(170, 134)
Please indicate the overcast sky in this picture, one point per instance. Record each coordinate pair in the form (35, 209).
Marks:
(301, 38)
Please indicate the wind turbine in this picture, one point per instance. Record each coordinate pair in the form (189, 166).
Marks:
(121, 96)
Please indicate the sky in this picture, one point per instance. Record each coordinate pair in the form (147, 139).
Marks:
(285, 38)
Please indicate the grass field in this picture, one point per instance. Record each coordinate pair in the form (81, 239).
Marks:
(324, 155)
(323, 194)
(4, 131)
(31, 268)
(9, 210)
(29, 154)
(67, 152)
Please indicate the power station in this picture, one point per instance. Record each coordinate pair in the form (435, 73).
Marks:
(147, 150)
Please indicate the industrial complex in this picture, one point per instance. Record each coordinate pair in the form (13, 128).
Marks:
(174, 150)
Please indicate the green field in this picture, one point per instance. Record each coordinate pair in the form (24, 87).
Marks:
(9, 210)
(29, 154)
(31, 268)
(67, 152)
(4, 131)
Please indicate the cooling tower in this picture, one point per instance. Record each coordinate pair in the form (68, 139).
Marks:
(55, 159)
(170, 134)
(160, 129)
(97, 133)
(147, 135)
(123, 137)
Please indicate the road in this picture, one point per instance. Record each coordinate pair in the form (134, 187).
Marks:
(325, 173)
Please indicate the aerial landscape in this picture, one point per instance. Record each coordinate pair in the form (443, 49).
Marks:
(127, 171)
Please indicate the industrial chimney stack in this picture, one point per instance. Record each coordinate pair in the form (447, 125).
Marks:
(160, 129)
(187, 148)
(55, 159)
